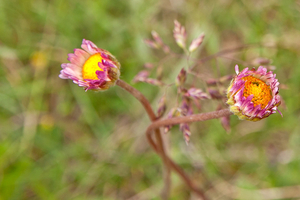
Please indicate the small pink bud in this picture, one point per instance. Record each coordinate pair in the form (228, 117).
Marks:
(151, 44)
(196, 43)
(158, 43)
(161, 107)
(157, 38)
(153, 81)
(179, 34)
(141, 76)
(181, 78)
(185, 129)
(185, 108)
(196, 94)
(215, 94)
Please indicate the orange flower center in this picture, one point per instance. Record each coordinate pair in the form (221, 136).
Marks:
(91, 66)
(262, 93)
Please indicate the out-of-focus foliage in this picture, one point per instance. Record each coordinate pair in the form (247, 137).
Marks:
(59, 142)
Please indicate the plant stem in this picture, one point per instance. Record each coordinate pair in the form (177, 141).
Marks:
(168, 162)
(160, 147)
(178, 120)
(189, 119)
(139, 96)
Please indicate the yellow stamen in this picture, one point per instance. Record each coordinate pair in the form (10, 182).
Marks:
(262, 93)
(91, 66)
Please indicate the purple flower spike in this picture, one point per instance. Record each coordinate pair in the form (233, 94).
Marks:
(157, 38)
(179, 34)
(185, 129)
(141, 76)
(253, 94)
(196, 94)
(161, 107)
(181, 78)
(196, 43)
(91, 68)
(151, 43)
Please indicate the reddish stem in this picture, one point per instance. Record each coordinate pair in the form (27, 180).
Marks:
(168, 162)
(178, 120)
(189, 119)
(160, 147)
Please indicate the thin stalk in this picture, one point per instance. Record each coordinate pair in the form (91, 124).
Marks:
(179, 120)
(139, 96)
(188, 119)
(160, 147)
(168, 162)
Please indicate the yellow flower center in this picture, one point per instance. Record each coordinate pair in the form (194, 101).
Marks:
(91, 66)
(262, 93)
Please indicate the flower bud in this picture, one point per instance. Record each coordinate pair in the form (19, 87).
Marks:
(181, 78)
(196, 43)
(179, 34)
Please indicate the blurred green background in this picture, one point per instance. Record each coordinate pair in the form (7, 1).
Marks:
(59, 142)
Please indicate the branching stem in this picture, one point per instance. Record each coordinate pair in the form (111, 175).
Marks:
(186, 119)
(160, 147)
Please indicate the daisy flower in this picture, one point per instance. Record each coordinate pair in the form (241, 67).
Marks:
(91, 67)
(253, 94)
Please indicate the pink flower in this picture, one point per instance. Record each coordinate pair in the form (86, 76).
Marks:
(253, 95)
(92, 68)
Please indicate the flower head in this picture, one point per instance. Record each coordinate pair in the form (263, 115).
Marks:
(253, 95)
(92, 68)
(179, 34)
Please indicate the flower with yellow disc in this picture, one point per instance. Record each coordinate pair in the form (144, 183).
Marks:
(253, 94)
(92, 68)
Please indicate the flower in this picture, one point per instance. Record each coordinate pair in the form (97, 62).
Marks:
(92, 68)
(253, 95)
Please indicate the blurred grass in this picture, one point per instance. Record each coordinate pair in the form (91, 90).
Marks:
(59, 142)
